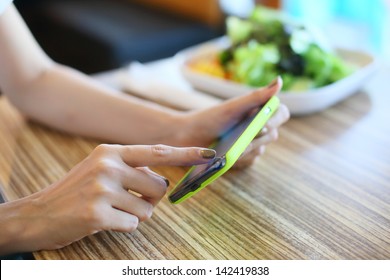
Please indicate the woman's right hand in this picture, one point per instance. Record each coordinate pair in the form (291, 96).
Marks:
(112, 189)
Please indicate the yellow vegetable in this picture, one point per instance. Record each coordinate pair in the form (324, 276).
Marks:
(209, 66)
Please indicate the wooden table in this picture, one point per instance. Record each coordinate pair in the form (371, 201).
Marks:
(322, 191)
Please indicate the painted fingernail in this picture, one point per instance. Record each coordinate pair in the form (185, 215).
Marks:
(208, 153)
(274, 82)
(166, 181)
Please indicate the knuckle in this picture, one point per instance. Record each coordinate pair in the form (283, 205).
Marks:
(92, 215)
(100, 189)
(108, 167)
(100, 166)
(159, 150)
(95, 192)
(102, 148)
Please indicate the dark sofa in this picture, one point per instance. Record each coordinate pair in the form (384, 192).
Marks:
(98, 35)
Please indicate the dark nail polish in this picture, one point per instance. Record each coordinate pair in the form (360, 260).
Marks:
(166, 182)
(207, 153)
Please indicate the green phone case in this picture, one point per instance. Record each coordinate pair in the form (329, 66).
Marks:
(238, 147)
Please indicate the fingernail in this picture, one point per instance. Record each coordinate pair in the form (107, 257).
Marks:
(274, 82)
(208, 153)
(166, 181)
(262, 132)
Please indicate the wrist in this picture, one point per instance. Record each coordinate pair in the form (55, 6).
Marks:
(10, 213)
(18, 229)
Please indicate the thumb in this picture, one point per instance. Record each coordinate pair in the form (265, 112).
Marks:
(157, 155)
(239, 106)
(228, 113)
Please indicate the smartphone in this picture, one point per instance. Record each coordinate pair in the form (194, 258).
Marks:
(229, 148)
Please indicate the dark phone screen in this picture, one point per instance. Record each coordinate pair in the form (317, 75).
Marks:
(222, 145)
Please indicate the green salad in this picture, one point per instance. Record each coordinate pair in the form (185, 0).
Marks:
(267, 44)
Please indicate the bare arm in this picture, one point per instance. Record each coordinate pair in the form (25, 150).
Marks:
(71, 101)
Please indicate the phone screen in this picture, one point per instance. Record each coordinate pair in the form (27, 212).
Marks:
(221, 146)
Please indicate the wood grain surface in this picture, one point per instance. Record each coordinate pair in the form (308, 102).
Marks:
(322, 191)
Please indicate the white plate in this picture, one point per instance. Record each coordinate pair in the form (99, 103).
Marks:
(299, 103)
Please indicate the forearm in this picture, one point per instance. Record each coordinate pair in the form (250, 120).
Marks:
(70, 101)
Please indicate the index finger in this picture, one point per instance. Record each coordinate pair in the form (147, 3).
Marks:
(154, 155)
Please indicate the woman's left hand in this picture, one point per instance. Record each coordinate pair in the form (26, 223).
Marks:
(204, 126)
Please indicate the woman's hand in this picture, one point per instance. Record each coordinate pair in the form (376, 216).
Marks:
(112, 189)
(203, 127)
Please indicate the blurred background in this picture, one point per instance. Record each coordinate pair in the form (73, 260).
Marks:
(355, 24)
(99, 35)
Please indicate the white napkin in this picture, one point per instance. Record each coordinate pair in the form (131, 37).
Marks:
(162, 82)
